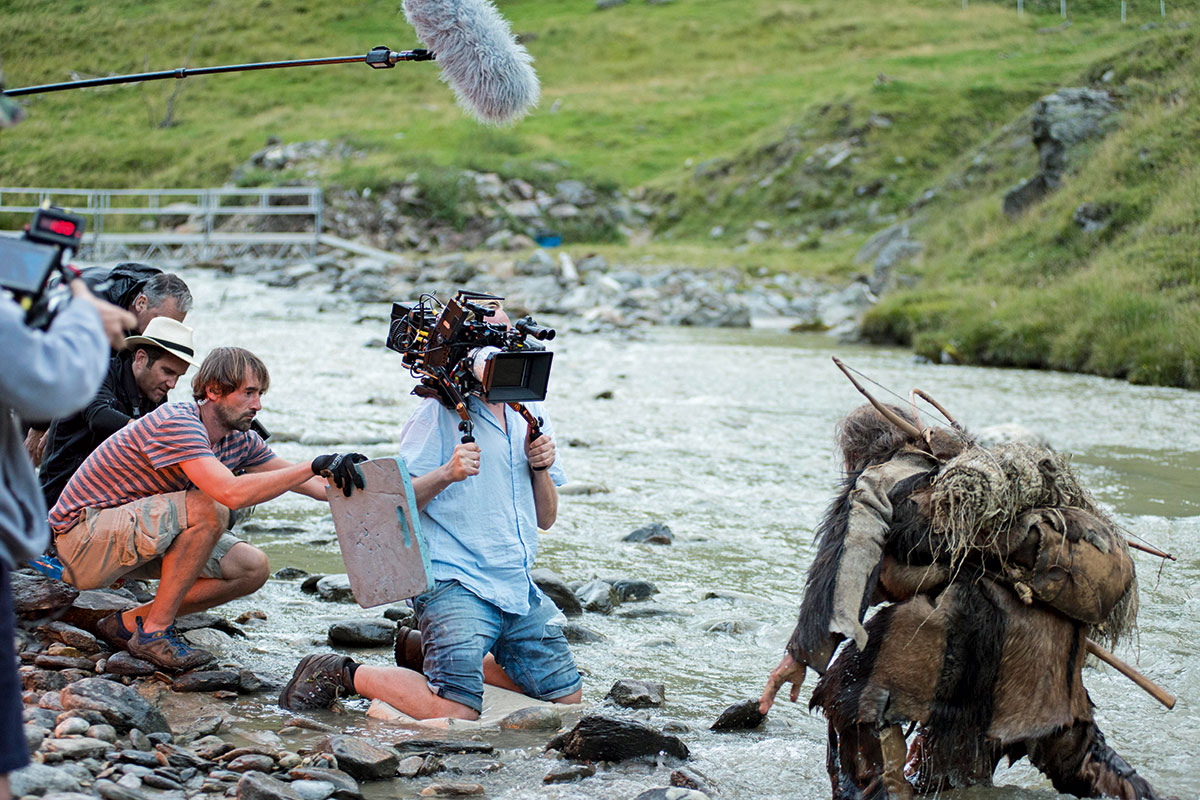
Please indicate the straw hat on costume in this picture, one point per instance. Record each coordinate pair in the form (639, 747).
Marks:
(172, 336)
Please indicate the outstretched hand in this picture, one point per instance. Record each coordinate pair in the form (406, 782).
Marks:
(341, 469)
(789, 671)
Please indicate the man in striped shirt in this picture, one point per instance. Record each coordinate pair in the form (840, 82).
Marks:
(154, 500)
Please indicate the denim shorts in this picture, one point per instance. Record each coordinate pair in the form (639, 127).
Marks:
(458, 629)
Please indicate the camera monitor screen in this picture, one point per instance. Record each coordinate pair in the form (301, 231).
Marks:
(24, 265)
(517, 377)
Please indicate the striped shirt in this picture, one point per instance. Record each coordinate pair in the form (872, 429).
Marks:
(143, 459)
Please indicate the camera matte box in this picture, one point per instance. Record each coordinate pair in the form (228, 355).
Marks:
(379, 532)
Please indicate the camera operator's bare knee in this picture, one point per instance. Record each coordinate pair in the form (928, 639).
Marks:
(246, 566)
(205, 514)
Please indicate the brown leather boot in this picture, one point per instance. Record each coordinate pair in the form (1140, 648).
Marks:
(410, 654)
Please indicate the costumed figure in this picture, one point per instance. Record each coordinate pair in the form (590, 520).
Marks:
(994, 567)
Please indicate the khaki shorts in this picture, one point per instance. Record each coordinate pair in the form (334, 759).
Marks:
(129, 541)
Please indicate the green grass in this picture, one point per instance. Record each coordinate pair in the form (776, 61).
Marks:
(727, 112)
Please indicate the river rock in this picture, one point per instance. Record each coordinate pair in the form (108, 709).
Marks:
(401, 615)
(34, 593)
(105, 733)
(556, 589)
(741, 716)
(654, 533)
(597, 596)
(335, 588)
(452, 790)
(93, 605)
(123, 663)
(72, 726)
(632, 693)
(65, 662)
(251, 762)
(600, 738)
(362, 760)
(114, 791)
(578, 634)
(345, 787)
(312, 790)
(42, 680)
(444, 746)
(34, 736)
(39, 779)
(122, 707)
(210, 680)
(70, 635)
(672, 793)
(309, 584)
(290, 573)
(534, 718)
(362, 633)
(567, 771)
(629, 589)
(78, 748)
(257, 786)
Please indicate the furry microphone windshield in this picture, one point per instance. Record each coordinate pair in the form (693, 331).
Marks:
(491, 73)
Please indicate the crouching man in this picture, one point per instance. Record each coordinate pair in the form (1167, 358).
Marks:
(485, 620)
(154, 500)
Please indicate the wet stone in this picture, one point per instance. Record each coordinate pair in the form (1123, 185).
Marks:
(452, 790)
(632, 693)
(309, 586)
(443, 746)
(65, 662)
(556, 589)
(536, 718)
(578, 634)
(312, 790)
(469, 765)
(345, 787)
(251, 762)
(672, 793)
(410, 767)
(205, 726)
(72, 726)
(141, 758)
(401, 614)
(290, 574)
(114, 791)
(122, 707)
(72, 636)
(335, 588)
(41, 680)
(256, 786)
(363, 633)
(157, 781)
(124, 664)
(629, 589)
(211, 680)
(33, 593)
(599, 738)
(654, 533)
(83, 747)
(92, 605)
(39, 779)
(566, 772)
(362, 760)
(741, 716)
(105, 733)
(248, 682)
(597, 596)
(139, 740)
(246, 616)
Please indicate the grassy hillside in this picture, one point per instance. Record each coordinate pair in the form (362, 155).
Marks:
(730, 113)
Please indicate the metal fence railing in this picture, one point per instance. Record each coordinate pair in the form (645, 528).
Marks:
(186, 224)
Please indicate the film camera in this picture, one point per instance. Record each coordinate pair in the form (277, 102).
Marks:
(455, 351)
(28, 263)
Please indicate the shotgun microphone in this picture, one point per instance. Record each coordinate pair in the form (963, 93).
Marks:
(491, 73)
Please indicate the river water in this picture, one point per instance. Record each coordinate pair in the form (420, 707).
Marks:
(725, 436)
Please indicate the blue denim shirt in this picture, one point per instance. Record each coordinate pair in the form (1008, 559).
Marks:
(482, 531)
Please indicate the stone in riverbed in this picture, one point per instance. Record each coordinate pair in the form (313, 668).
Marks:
(741, 716)
(632, 693)
(251, 762)
(565, 772)
(672, 793)
(113, 791)
(33, 593)
(78, 638)
(556, 589)
(597, 596)
(41, 680)
(121, 706)
(362, 632)
(578, 634)
(124, 664)
(312, 790)
(400, 614)
(257, 786)
(534, 718)
(34, 736)
(654, 533)
(71, 726)
(65, 662)
(362, 760)
(452, 790)
(335, 588)
(599, 738)
(75, 749)
(345, 787)
(630, 589)
(211, 680)
(39, 779)
(93, 605)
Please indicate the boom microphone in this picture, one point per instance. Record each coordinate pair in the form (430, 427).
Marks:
(490, 72)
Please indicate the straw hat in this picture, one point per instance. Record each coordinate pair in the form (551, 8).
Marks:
(172, 336)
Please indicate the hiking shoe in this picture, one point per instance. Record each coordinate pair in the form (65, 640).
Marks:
(112, 630)
(166, 650)
(410, 653)
(319, 679)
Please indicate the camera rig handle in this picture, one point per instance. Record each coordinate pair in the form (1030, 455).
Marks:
(535, 425)
(446, 388)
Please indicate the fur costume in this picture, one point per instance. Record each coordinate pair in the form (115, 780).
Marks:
(995, 566)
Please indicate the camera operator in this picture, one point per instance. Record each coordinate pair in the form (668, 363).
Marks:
(484, 620)
(42, 374)
(146, 292)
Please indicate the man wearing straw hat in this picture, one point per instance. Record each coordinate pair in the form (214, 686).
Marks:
(137, 382)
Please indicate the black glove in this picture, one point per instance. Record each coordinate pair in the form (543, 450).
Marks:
(342, 469)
